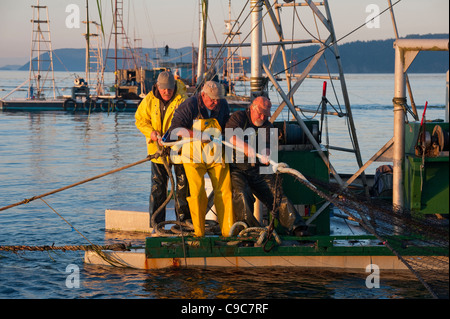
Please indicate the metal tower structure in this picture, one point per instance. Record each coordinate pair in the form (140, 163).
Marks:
(41, 57)
(327, 42)
(125, 46)
(234, 61)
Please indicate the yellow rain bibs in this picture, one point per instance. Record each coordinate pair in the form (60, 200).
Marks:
(207, 158)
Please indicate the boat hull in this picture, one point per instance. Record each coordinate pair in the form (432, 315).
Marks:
(137, 259)
(99, 106)
(72, 107)
(30, 105)
(347, 247)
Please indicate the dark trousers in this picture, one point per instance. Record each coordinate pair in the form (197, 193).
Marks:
(245, 184)
(158, 194)
(248, 182)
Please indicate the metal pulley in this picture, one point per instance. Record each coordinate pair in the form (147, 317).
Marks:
(293, 134)
(432, 144)
(79, 81)
(440, 138)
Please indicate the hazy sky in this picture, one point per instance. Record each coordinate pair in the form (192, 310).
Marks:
(175, 22)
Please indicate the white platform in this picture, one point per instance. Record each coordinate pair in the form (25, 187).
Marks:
(123, 220)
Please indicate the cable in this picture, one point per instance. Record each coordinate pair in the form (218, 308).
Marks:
(348, 34)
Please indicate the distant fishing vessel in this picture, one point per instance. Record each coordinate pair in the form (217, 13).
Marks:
(132, 80)
(40, 70)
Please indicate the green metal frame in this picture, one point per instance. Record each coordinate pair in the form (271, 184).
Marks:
(214, 246)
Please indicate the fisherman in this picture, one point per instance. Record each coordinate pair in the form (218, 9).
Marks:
(202, 117)
(246, 178)
(153, 118)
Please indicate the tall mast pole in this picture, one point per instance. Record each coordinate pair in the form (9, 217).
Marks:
(202, 42)
(256, 80)
(38, 83)
(115, 50)
(88, 65)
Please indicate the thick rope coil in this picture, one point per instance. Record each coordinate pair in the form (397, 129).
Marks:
(262, 232)
(16, 248)
(236, 224)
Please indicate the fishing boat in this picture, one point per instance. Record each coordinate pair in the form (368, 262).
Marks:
(350, 227)
(41, 76)
(397, 220)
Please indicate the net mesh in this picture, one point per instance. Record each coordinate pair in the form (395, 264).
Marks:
(403, 231)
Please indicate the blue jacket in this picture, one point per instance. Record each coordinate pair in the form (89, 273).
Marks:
(193, 108)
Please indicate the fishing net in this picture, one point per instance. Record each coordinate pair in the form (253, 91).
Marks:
(404, 232)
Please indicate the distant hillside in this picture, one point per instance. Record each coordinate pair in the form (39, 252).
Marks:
(10, 67)
(356, 57)
(370, 57)
(73, 60)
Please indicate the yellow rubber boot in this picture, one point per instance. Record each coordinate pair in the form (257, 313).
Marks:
(198, 200)
(221, 180)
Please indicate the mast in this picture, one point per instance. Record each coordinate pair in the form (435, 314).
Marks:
(40, 37)
(202, 42)
(408, 85)
(116, 88)
(94, 58)
(87, 66)
(256, 80)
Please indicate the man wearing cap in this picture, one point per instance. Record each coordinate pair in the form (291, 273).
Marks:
(153, 118)
(246, 178)
(201, 117)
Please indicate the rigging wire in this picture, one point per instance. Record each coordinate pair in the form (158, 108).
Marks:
(223, 44)
(340, 39)
(222, 48)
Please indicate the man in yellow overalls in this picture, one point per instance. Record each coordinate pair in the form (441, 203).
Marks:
(201, 116)
(153, 118)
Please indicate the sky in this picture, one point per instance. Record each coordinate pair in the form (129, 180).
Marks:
(175, 22)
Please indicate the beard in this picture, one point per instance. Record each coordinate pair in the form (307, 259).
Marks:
(259, 122)
(166, 97)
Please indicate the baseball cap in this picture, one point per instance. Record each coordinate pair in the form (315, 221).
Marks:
(213, 90)
(166, 80)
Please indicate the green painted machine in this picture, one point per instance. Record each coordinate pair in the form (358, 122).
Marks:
(296, 151)
(426, 169)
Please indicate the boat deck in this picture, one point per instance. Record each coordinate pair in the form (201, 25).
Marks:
(347, 247)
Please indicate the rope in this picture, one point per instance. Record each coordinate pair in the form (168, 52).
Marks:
(16, 248)
(98, 249)
(262, 233)
(27, 200)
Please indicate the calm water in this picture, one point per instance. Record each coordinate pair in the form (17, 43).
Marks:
(40, 152)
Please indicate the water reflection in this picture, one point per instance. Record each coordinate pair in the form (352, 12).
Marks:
(254, 283)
